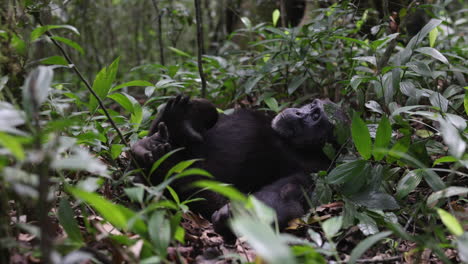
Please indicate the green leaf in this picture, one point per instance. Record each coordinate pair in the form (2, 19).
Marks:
(39, 31)
(135, 194)
(116, 214)
(357, 41)
(54, 60)
(382, 41)
(13, 145)
(433, 36)
(272, 103)
(369, 59)
(382, 138)
(180, 167)
(375, 200)
(444, 160)
(160, 231)
(433, 53)
(275, 17)
(445, 193)
(162, 159)
(132, 83)
(450, 222)
(346, 172)
(332, 226)
(122, 100)
(361, 136)
(295, 83)
(408, 183)
(70, 43)
(179, 52)
(103, 81)
(116, 149)
(68, 222)
(365, 244)
(221, 188)
(251, 82)
(266, 243)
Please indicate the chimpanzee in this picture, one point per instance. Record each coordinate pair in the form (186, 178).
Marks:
(269, 157)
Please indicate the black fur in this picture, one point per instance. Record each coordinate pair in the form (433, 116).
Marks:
(271, 158)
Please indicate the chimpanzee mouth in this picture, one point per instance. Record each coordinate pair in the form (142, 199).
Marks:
(316, 113)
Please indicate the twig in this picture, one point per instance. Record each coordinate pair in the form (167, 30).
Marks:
(201, 50)
(390, 259)
(88, 86)
(90, 89)
(159, 29)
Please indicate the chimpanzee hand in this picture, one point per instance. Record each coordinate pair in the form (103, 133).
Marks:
(150, 149)
(177, 117)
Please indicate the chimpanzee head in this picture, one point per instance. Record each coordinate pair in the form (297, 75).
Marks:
(310, 125)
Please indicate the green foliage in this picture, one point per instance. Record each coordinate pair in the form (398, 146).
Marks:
(408, 96)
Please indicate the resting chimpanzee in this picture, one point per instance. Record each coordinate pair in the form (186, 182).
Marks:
(271, 158)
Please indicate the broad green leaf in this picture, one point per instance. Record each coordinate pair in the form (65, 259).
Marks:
(179, 52)
(307, 254)
(375, 200)
(332, 226)
(135, 194)
(221, 188)
(450, 222)
(251, 82)
(116, 150)
(160, 231)
(180, 167)
(382, 41)
(36, 88)
(357, 41)
(452, 138)
(408, 183)
(406, 53)
(365, 244)
(122, 100)
(382, 138)
(295, 83)
(445, 193)
(433, 36)
(272, 104)
(103, 82)
(361, 136)
(263, 239)
(420, 68)
(131, 83)
(367, 225)
(116, 214)
(39, 31)
(345, 172)
(369, 59)
(444, 160)
(433, 53)
(54, 60)
(275, 17)
(70, 43)
(162, 159)
(13, 145)
(67, 219)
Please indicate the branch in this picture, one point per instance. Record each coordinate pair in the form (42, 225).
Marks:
(159, 29)
(200, 45)
(88, 86)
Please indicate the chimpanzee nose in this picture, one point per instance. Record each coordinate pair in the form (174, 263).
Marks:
(299, 113)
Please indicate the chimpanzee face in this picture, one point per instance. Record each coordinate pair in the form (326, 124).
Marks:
(305, 126)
